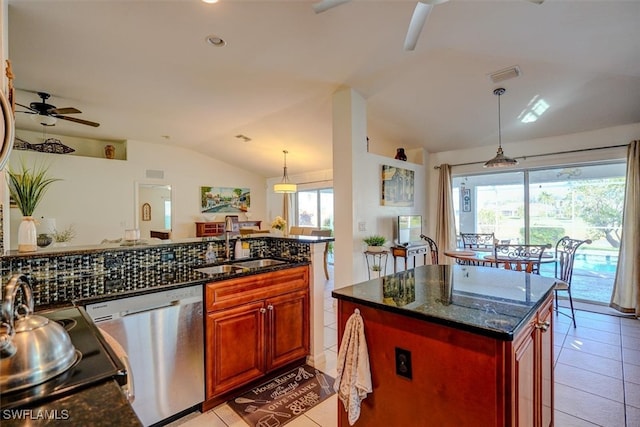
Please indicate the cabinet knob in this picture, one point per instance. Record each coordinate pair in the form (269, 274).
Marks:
(263, 310)
(543, 326)
(269, 307)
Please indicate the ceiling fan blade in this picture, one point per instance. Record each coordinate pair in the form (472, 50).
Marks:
(82, 122)
(66, 110)
(323, 5)
(419, 17)
(31, 110)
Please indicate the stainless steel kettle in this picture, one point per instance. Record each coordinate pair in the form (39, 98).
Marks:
(33, 349)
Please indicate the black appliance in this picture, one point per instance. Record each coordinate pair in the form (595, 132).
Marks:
(97, 362)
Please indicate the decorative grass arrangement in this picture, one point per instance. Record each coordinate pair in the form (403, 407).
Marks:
(27, 186)
(375, 240)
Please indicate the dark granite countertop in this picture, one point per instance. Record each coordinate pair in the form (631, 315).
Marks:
(483, 300)
(100, 405)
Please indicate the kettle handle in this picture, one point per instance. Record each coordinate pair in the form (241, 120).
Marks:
(16, 282)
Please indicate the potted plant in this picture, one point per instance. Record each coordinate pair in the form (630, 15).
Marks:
(27, 186)
(375, 243)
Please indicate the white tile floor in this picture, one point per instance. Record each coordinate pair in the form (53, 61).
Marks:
(597, 375)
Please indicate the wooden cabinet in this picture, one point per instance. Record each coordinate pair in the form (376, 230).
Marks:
(254, 325)
(533, 371)
(458, 377)
(211, 229)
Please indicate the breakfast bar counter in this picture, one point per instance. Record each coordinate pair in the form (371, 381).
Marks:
(466, 345)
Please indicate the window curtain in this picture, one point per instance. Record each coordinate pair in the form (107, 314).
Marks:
(626, 287)
(445, 219)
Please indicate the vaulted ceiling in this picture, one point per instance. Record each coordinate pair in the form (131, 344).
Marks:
(144, 70)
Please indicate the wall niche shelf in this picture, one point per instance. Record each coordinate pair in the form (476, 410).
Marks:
(51, 143)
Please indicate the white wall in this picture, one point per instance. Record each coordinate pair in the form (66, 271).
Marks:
(619, 135)
(97, 195)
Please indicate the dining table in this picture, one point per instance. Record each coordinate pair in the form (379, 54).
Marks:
(483, 256)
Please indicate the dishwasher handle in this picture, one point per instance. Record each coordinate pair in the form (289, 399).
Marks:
(149, 308)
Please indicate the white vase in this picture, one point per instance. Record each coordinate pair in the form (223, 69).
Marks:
(375, 248)
(27, 235)
(276, 232)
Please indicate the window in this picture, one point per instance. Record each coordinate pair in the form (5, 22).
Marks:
(315, 208)
(541, 206)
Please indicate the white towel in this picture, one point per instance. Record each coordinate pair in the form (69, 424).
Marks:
(353, 382)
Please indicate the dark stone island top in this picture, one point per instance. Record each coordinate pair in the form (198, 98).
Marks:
(485, 300)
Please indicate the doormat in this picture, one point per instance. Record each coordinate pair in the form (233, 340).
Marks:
(281, 400)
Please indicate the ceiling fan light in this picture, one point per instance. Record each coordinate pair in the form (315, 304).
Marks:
(44, 120)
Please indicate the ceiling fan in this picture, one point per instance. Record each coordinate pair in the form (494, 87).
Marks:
(47, 114)
(419, 17)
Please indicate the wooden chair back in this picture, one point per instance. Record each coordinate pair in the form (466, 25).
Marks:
(565, 256)
(433, 248)
(525, 258)
(477, 240)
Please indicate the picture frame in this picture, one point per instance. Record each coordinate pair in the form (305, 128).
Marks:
(465, 194)
(398, 186)
(146, 212)
(224, 199)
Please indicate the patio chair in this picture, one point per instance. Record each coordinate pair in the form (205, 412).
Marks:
(433, 248)
(565, 255)
(477, 240)
(324, 233)
(524, 258)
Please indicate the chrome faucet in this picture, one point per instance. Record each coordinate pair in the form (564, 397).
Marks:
(228, 228)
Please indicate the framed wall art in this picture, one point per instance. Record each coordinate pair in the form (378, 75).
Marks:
(397, 186)
(224, 199)
(146, 212)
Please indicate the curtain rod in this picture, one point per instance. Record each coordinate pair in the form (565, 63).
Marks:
(547, 154)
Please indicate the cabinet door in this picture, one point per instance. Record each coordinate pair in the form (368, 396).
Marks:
(235, 347)
(545, 341)
(525, 378)
(288, 328)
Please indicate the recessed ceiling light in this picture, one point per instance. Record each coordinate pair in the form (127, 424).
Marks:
(210, 1)
(216, 41)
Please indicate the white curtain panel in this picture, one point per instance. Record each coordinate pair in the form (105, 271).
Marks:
(445, 221)
(626, 287)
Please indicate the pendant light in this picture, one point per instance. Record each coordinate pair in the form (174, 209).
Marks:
(500, 160)
(285, 186)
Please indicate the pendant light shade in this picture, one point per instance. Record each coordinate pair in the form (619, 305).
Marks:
(285, 186)
(500, 160)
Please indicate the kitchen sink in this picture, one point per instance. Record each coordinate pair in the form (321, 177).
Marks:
(220, 269)
(258, 263)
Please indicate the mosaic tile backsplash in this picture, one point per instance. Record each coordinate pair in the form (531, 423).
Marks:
(75, 275)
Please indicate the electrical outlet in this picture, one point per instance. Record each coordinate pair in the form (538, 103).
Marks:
(403, 363)
(362, 226)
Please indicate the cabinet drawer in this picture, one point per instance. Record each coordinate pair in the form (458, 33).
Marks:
(229, 293)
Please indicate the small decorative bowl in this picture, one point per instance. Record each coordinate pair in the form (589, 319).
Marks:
(44, 240)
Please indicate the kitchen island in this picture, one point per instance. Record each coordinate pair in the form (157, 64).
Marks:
(453, 345)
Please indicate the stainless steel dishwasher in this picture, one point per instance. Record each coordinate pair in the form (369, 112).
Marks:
(162, 334)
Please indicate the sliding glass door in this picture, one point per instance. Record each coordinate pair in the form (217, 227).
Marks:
(541, 206)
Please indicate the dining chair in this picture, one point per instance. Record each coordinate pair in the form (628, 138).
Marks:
(324, 233)
(295, 230)
(477, 240)
(433, 248)
(565, 256)
(525, 258)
